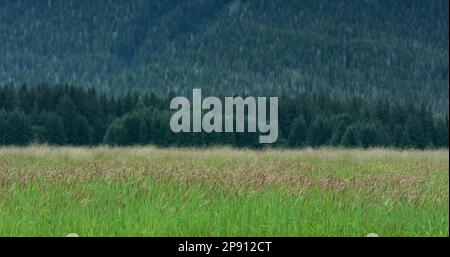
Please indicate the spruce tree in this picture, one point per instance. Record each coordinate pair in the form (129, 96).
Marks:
(352, 137)
(18, 129)
(318, 132)
(298, 133)
(417, 135)
(3, 127)
(405, 142)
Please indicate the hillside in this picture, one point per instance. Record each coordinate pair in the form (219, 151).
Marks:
(396, 50)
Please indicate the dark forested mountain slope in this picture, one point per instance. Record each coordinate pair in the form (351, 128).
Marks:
(391, 49)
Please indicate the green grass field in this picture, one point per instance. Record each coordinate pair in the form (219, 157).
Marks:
(46, 191)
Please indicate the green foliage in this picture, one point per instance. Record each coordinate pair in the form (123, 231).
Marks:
(298, 132)
(416, 132)
(405, 142)
(319, 132)
(17, 129)
(365, 135)
(379, 50)
(53, 130)
(341, 123)
(352, 137)
(62, 115)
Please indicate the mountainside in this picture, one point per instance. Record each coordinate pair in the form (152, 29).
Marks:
(390, 49)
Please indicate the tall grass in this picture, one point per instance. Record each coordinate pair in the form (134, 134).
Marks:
(47, 191)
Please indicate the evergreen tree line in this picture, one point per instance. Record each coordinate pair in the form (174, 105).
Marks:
(378, 49)
(69, 115)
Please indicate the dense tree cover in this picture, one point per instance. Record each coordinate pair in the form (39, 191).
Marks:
(61, 115)
(378, 49)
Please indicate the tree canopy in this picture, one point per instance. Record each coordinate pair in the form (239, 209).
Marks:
(61, 115)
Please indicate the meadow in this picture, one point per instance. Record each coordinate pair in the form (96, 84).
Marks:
(148, 191)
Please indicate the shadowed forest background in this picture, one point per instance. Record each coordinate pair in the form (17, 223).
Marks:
(348, 73)
(72, 115)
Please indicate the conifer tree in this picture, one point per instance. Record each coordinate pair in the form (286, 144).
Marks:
(298, 132)
(352, 137)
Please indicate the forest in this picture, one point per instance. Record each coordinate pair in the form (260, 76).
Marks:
(393, 50)
(70, 115)
(348, 73)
